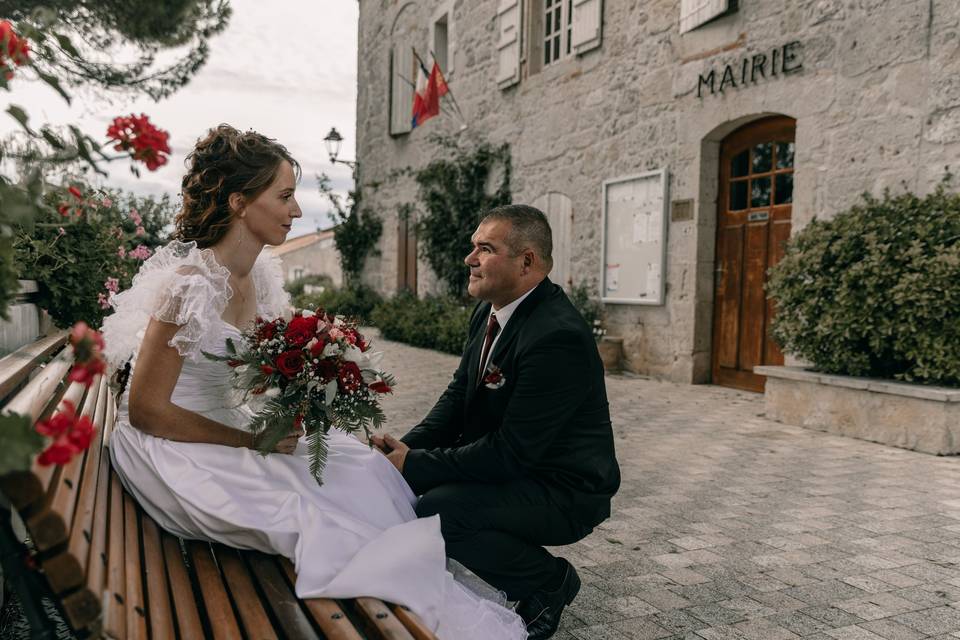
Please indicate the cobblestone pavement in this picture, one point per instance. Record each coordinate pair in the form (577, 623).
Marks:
(731, 526)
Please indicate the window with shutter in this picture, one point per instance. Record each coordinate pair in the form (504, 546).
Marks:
(508, 43)
(559, 211)
(696, 13)
(587, 25)
(402, 80)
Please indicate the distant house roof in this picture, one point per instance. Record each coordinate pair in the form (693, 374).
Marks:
(302, 241)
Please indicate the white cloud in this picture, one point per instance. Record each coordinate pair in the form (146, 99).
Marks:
(286, 69)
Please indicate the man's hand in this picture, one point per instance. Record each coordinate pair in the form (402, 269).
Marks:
(395, 450)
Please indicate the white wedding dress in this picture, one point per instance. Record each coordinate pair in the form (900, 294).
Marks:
(356, 535)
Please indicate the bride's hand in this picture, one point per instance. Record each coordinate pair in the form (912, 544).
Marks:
(289, 443)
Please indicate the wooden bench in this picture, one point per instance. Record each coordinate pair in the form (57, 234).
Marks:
(113, 572)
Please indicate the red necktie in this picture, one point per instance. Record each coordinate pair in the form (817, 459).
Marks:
(493, 328)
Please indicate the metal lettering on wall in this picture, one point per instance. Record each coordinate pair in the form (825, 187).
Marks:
(752, 69)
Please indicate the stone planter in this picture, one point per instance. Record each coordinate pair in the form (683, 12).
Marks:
(905, 415)
(611, 353)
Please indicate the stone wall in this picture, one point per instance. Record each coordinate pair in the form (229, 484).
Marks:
(877, 105)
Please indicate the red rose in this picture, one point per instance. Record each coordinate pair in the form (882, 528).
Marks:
(300, 330)
(266, 331)
(349, 377)
(380, 387)
(290, 363)
(266, 370)
(326, 369)
(317, 349)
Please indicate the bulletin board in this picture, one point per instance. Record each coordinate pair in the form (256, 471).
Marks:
(634, 239)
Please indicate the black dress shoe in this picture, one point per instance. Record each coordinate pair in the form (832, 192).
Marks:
(541, 611)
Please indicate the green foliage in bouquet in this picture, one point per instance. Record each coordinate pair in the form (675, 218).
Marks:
(433, 322)
(79, 248)
(876, 290)
(355, 301)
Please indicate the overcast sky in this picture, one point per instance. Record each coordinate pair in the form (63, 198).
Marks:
(286, 69)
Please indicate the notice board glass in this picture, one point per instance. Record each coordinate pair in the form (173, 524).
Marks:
(634, 239)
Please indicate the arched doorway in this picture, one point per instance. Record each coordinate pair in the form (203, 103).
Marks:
(754, 207)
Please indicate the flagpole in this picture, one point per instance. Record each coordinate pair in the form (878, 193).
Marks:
(453, 98)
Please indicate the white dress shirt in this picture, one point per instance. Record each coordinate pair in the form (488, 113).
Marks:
(503, 317)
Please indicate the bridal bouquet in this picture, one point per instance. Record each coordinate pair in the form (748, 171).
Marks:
(314, 371)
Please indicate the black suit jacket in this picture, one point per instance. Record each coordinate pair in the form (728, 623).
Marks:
(549, 421)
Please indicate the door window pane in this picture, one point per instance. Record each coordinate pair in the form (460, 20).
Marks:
(760, 192)
(785, 155)
(740, 165)
(783, 191)
(762, 157)
(738, 195)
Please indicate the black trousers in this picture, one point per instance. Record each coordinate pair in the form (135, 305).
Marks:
(498, 531)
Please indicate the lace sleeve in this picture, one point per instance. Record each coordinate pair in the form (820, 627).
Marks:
(273, 300)
(180, 284)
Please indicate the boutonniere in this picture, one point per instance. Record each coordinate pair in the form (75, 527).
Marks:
(494, 378)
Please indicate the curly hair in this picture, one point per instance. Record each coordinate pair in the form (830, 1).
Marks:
(226, 161)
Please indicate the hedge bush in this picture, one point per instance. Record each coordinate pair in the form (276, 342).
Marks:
(356, 302)
(434, 322)
(876, 290)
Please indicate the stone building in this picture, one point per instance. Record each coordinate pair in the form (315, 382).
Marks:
(675, 144)
(311, 254)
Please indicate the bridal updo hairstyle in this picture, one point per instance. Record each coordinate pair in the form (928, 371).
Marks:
(226, 161)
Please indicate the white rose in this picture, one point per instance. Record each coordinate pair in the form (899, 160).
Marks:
(332, 349)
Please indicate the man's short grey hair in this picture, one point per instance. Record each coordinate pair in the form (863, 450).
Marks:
(529, 228)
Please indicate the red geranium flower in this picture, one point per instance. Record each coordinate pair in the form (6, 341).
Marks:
(70, 435)
(349, 377)
(87, 348)
(290, 363)
(15, 47)
(143, 140)
(300, 330)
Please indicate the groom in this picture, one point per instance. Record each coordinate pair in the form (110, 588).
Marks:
(518, 451)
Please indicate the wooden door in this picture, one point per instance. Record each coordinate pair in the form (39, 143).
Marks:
(753, 225)
(406, 255)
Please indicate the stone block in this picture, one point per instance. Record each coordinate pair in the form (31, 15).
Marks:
(904, 415)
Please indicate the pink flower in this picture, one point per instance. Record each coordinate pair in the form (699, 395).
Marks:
(121, 253)
(142, 252)
(112, 284)
(103, 300)
(135, 217)
(140, 231)
(61, 231)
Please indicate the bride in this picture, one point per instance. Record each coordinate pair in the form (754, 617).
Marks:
(181, 446)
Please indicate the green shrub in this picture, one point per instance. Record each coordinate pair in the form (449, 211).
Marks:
(295, 287)
(876, 290)
(434, 322)
(356, 302)
(590, 308)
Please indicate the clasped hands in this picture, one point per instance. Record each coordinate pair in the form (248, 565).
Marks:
(389, 446)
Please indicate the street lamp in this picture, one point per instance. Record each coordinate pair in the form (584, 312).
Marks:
(333, 142)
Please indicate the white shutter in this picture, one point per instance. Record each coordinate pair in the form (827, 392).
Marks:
(587, 20)
(694, 13)
(401, 89)
(508, 43)
(559, 211)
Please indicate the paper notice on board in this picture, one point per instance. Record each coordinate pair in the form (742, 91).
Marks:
(613, 277)
(653, 279)
(640, 223)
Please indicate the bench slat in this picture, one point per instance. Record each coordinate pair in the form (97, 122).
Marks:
(51, 526)
(185, 605)
(114, 614)
(136, 610)
(326, 613)
(158, 596)
(255, 621)
(379, 620)
(280, 597)
(17, 366)
(29, 487)
(220, 614)
(413, 623)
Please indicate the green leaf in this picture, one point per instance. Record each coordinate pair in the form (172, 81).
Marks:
(21, 116)
(20, 443)
(54, 84)
(66, 45)
(52, 138)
